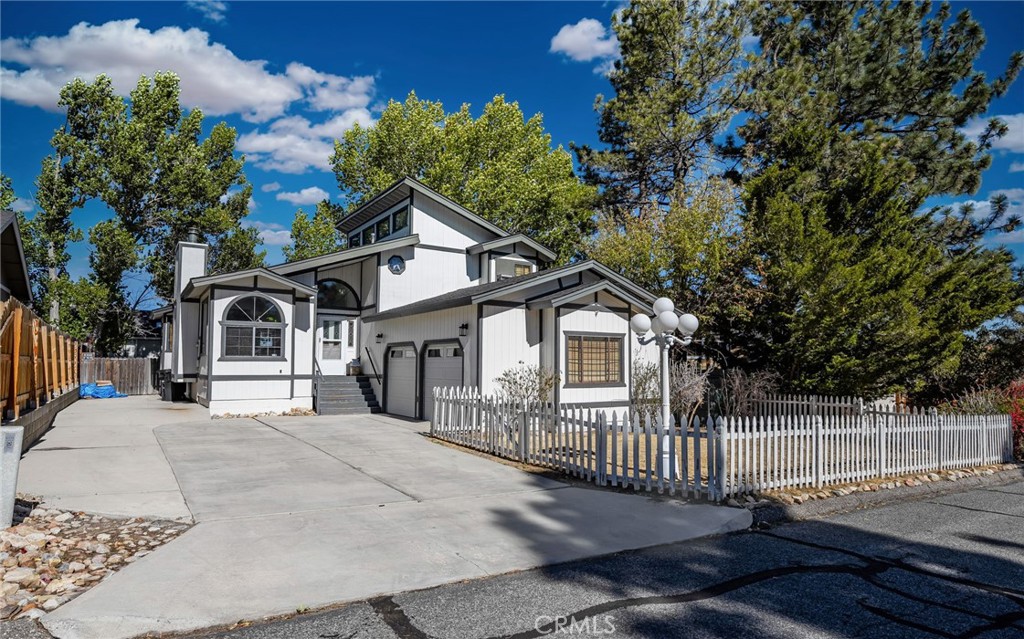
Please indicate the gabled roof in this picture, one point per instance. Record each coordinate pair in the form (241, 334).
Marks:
(561, 298)
(345, 255)
(512, 240)
(501, 288)
(401, 190)
(196, 284)
(13, 267)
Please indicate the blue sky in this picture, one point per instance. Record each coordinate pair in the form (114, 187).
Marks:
(292, 76)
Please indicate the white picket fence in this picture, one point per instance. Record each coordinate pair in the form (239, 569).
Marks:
(802, 451)
(725, 457)
(621, 450)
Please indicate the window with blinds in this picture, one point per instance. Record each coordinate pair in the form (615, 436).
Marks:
(594, 359)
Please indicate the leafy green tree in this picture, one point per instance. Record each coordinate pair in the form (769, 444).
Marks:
(500, 165)
(892, 70)
(677, 86)
(7, 196)
(691, 250)
(666, 220)
(145, 160)
(854, 119)
(83, 306)
(237, 250)
(857, 296)
(114, 253)
(314, 236)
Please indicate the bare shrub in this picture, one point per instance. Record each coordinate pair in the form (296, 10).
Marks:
(526, 384)
(978, 401)
(646, 393)
(688, 386)
(742, 391)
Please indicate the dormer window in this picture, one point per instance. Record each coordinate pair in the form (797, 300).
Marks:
(400, 219)
(380, 229)
(512, 266)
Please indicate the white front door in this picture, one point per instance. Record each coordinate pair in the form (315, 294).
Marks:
(337, 344)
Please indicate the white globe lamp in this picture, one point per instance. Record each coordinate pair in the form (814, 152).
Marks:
(669, 320)
(640, 324)
(663, 304)
(688, 324)
(657, 326)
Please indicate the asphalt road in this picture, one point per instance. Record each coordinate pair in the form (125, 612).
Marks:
(944, 566)
(949, 566)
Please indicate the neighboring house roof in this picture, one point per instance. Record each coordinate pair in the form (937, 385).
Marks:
(491, 290)
(13, 267)
(401, 190)
(197, 284)
(512, 240)
(163, 310)
(348, 254)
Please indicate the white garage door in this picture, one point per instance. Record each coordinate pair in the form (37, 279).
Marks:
(401, 390)
(442, 368)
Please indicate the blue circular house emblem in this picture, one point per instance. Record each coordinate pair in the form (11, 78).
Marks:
(396, 264)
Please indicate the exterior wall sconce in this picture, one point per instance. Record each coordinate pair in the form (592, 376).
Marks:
(463, 330)
(380, 337)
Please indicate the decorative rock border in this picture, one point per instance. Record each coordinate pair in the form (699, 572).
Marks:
(53, 556)
(795, 505)
(796, 496)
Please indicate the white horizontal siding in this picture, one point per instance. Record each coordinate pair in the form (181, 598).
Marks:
(510, 338)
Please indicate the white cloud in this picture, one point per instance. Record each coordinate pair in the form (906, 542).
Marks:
(212, 77)
(22, 205)
(586, 40)
(982, 208)
(308, 195)
(1016, 167)
(271, 187)
(1013, 141)
(272, 233)
(295, 145)
(212, 10)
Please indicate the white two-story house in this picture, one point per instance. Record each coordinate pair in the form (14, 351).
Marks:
(426, 295)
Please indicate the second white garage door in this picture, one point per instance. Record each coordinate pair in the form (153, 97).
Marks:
(401, 381)
(441, 368)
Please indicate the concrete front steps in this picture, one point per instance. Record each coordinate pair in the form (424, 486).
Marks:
(345, 395)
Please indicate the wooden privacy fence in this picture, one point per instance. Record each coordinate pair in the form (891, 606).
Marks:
(130, 375)
(37, 362)
(723, 457)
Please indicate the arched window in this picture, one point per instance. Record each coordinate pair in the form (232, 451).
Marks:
(253, 327)
(336, 295)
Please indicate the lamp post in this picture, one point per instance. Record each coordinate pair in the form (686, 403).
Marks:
(663, 325)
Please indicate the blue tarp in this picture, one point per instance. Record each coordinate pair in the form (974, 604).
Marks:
(98, 392)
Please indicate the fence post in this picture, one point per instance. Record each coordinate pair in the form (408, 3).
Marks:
(818, 452)
(938, 438)
(523, 433)
(881, 436)
(33, 376)
(12, 399)
(433, 415)
(718, 481)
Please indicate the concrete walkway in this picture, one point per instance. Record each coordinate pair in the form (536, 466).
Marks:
(307, 511)
(102, 456)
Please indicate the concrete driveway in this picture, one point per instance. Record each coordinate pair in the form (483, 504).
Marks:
(298, 512)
